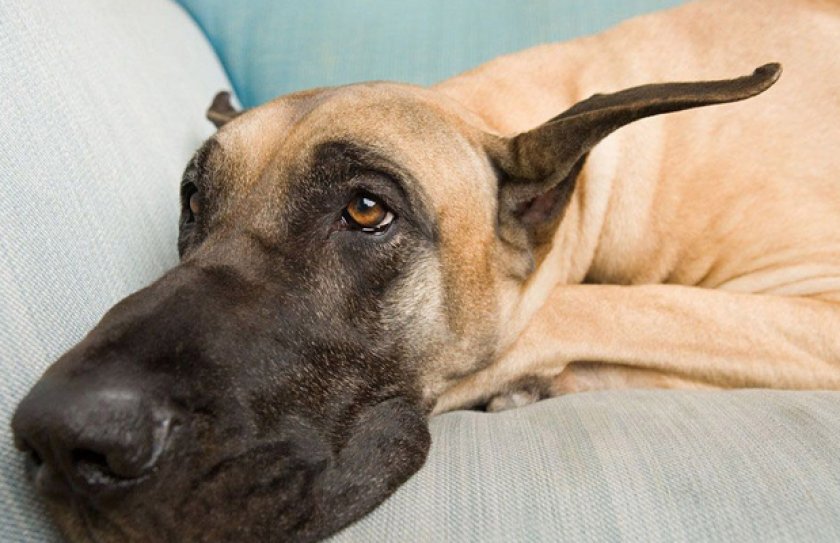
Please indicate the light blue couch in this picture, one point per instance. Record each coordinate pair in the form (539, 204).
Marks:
(102, 103)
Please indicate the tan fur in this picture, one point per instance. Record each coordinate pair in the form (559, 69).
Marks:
(740, 199)
(743, 198)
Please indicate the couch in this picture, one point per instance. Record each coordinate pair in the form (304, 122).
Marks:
(102, 104)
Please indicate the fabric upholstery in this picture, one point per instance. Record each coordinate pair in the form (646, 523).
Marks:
(656, 466)
(272, 47)
(102, 105)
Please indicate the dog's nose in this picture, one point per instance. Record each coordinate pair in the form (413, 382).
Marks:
(89, 439)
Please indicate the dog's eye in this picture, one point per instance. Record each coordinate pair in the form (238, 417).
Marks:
(192, 201)
(195, 206)
(367, 214)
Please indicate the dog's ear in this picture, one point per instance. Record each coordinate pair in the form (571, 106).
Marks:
(539, 168)
(221, 111)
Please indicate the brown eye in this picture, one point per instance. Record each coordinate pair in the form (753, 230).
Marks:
(367, 213)
(195, 205)
(192, 200)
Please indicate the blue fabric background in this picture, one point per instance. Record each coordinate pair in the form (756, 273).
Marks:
(271, 47)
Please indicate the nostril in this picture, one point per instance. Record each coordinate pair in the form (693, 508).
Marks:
(35, 458)
(23, 446)
(92, 466)
(89, 441)
(85, 456)
(43, 475)
(130, 457)
(111, 468)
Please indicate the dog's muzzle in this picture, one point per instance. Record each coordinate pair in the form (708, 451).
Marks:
(206, 408)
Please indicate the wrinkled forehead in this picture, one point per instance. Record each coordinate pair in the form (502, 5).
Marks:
(411, 127)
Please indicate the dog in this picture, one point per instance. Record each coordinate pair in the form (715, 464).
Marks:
(354, 259)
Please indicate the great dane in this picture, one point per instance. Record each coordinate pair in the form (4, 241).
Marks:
(354, 259)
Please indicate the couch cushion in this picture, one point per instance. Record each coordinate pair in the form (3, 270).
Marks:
(627, 466)
(102, 105)
(271, 47)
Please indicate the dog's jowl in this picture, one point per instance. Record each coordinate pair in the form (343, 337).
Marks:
(354, 259)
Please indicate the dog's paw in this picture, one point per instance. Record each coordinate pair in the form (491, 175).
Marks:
(520, 393)
(512, 400)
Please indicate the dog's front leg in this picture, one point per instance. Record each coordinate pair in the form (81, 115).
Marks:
(667, 335)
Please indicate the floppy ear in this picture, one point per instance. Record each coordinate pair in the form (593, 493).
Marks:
(539, 167)
(221, 111)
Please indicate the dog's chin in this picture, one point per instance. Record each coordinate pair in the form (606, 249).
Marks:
(80, 523)
(263, 494)
(73, 524)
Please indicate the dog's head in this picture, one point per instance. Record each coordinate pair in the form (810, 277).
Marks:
(345, 253)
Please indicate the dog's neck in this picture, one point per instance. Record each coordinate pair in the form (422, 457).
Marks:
(510, 97)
